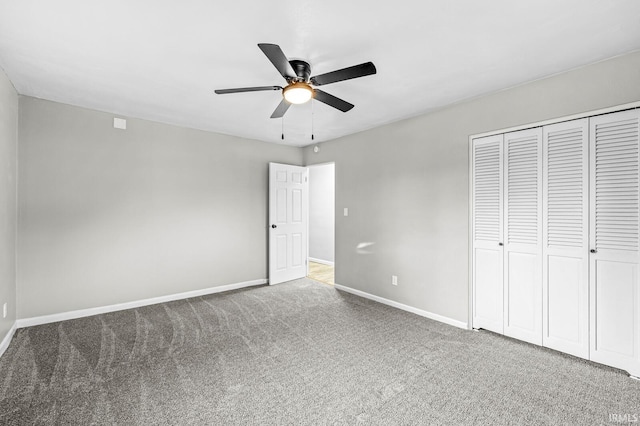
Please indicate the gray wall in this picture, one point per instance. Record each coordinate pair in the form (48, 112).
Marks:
(407, 184)
(321, 212)
(109, 216)
(8, 160)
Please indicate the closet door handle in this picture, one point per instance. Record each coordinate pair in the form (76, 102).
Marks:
(500, 244)
(593, 251)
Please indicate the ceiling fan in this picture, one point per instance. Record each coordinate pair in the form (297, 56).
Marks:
(300, 86)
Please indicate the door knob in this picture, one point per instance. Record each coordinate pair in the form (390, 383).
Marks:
(593, 251)
(274, 226)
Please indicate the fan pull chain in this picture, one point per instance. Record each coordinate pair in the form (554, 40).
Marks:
(312, 137)
(282, 127)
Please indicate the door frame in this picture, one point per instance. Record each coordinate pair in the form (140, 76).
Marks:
(327, 163)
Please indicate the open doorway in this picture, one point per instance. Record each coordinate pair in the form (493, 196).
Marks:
(322, 223)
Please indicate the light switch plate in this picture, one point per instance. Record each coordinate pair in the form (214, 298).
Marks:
(346, 211)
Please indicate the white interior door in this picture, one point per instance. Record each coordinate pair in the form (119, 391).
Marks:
(487, 233)
(523, 235)
(288, 222)
(565, 274)
(614, 240)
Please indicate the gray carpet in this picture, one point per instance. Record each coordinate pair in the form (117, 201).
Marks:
(300, 353)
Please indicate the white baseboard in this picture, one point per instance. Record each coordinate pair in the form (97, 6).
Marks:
(63, 316)
(404, 307)
(7, 339)
(324, 262)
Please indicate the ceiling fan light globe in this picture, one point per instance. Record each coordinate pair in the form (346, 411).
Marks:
(298, 93)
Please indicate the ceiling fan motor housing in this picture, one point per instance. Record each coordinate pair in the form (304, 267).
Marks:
(302, 69)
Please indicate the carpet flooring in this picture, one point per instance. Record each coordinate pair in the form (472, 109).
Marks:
(268, 356)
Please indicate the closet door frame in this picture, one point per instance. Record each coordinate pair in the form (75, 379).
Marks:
(632, 366)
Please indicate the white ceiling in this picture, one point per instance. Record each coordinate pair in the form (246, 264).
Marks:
(161, 60)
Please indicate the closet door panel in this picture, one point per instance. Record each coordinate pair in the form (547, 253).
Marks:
(614, 240)
(523, 279)
(565, 322)
(615, 294)
(565, 237)
(488, 290)
(487, 261)
(523, 232)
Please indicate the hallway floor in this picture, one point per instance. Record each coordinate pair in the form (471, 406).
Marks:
(321, 272)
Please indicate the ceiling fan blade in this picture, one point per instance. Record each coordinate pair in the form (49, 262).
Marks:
(344, 74)
(331, 100)
(282, 107)
(247, 89)
(278, 59)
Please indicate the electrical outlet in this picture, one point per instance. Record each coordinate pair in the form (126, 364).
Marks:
(4, 310)
(394, 280)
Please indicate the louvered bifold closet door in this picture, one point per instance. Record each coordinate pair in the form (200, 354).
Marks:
(614, 240)
(565, 252)
(523, 235)
(487, 233)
